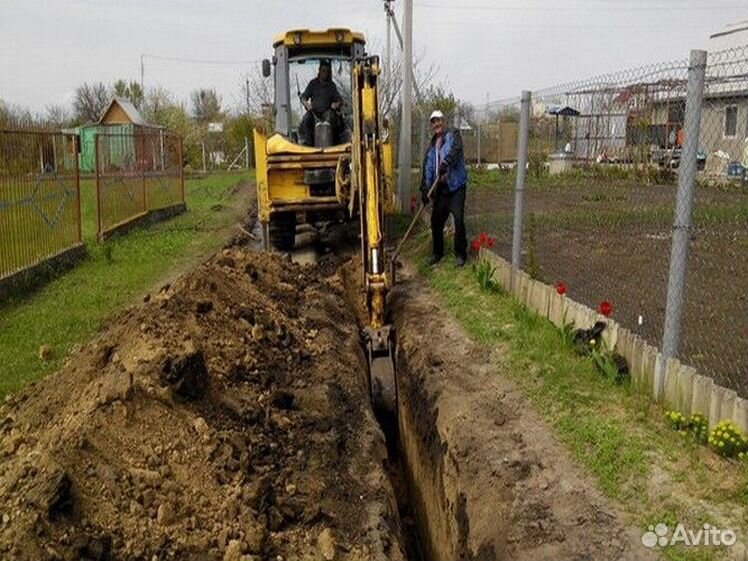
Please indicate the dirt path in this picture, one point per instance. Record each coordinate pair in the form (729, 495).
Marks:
(490, 480)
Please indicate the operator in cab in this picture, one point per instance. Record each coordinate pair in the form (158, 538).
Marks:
(322, 102)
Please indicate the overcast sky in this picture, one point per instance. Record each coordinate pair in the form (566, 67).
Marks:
(482, 47)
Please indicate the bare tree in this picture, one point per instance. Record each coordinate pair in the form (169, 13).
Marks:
(256, 89)
(58, 116)
(15, 116)
(425, 74)
(90, 101)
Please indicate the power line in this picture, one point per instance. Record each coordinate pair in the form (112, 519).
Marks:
(186, 60)
(201, 61)
(679, 8)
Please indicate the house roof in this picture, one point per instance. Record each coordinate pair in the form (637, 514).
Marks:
(565, 111)
(126, 105)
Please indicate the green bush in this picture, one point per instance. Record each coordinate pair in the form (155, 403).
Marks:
(696, 426)
(727, 440)
(699, 427)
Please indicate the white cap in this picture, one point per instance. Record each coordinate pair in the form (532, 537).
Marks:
(436, 114)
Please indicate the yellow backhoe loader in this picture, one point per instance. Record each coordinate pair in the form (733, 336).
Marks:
(339, 170)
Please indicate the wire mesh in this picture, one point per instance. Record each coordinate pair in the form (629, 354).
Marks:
(135, 174)
(715, 323)
(39, 198)
(602, 181)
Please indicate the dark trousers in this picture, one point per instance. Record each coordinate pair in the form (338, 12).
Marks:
(444, 204)
(308, 122)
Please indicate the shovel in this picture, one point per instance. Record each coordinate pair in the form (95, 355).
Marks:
(410, 228)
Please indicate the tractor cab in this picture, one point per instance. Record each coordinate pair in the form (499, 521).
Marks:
(299, 58)
(307, 171)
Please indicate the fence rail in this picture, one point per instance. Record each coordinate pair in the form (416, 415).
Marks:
(136, 174)
(40, 215)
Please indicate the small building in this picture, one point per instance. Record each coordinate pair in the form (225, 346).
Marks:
(120, 118)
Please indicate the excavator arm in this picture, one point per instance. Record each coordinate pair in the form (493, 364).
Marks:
(368, 177)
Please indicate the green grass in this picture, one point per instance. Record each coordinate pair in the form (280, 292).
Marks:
(70, 309)
(616, 434)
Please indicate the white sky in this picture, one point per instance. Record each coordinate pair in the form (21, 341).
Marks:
(499, 47)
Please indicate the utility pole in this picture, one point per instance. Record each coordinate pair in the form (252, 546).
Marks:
(388, 62)
(142, 74)
(400, 42)
(247, 83)
(407, 107)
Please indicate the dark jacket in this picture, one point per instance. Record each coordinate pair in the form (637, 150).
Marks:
(322, 94)
(450, 152)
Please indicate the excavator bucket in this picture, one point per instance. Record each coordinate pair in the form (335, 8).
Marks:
(380, 349)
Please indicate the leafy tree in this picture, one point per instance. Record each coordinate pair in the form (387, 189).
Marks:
(131, 91)
(206, 106)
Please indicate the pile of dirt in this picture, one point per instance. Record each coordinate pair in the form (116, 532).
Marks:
(226, 418)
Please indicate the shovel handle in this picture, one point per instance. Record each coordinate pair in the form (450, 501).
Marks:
(413, 222)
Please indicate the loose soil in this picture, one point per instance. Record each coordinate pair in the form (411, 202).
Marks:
(225, 418)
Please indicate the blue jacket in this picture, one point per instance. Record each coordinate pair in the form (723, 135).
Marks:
(451, 153)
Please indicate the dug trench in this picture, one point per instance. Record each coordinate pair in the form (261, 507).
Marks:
(227, 418)
(486, 478)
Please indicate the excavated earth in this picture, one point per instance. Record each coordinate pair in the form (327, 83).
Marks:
(226, 418)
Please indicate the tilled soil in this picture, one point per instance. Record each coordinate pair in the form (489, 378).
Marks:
(226, 418)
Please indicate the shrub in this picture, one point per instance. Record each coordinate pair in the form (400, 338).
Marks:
(727, 440)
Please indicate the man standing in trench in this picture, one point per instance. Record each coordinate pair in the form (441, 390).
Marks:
(445, 159)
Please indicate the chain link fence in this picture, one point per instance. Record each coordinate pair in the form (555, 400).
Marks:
(628, 201)
(40, 216)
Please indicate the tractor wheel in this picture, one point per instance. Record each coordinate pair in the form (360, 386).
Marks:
(282, 231)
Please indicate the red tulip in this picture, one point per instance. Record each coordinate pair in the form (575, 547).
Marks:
(606, 308)
(561, 287)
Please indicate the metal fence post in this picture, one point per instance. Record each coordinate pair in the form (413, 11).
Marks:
(519, 189)
(203, 147)
(181, 167)
(99, 220)
(246, 151)
(676, 295)
(76, 154)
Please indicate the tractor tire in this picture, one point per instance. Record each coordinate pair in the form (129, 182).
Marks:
(282, 231)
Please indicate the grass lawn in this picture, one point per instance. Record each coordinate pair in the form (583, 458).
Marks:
(70, 309)
(618, 437)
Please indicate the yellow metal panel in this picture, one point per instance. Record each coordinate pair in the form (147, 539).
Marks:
(372, 202)
(328, 37)
(278, 144)
(388, 168)
(261, 174)
(369, 105)
(287, 185)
